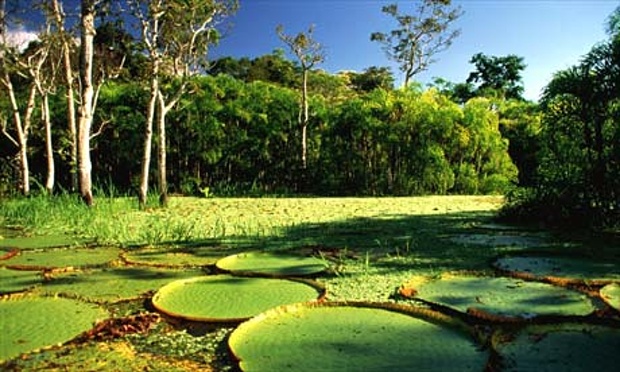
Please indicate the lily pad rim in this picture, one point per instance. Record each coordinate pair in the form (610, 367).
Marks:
(26, 267)
(319, 287)
(283, 253)
(418, 312)
(562, 281)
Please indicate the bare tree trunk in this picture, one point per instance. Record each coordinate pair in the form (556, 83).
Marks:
(68, 80)
(304, 121)
(87, 100)
(164, 109)
(148, 139)
(49, 150)
(22, 128)
(161, 158)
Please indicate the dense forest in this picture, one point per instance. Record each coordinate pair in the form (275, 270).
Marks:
(277, 126)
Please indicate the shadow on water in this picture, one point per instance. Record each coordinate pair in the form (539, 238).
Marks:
(406, 242)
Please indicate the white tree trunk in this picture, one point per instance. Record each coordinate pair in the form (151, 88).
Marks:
(87, 100)
(161, 158)
(69, 96)
(49, 149)
(22, 128)
(304, 121)
(148, 139)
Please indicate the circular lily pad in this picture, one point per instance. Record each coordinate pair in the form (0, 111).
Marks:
(274, 264)
(43, 241)
(173, 257)
(569, 268)
(16, 281)
(351, 337)
(611, 294)
(62, 258)
(228, 298)
(500, 240)
(114, 284)
(35, 322)
(569, 347)
(503, 296)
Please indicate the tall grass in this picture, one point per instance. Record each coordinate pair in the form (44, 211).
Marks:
(265, 222)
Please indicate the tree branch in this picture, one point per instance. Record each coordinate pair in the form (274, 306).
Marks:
(3, 123)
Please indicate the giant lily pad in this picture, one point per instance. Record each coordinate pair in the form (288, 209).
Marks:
(15, 281)
(502, 296)
(43, 241)
(228, 298)
(569, 347)
(114, 284)
(500, 240)
(352, 337)
(62, 258)
(174, 257)
(611, 294)
(35, 322)
(568, 268)
(275, 264)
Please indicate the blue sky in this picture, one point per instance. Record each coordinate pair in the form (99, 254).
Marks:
(550, 34)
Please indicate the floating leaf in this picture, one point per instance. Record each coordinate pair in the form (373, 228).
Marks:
(568, 347)
(228, 298)
(62, 258)
(173, 257)
(114, 284)
(276, 264)
(569, 268)
(611, 294)
(31, 323)
(500, 240)
(352, 337)
(15, 280)
(504, 296)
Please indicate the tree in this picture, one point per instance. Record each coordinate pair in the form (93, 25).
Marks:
(580, 152)
(86, 106)
(177, 35)
(418, 37)
(274, 68)
(372, 78)
(66, 45)
(308, 52)
(613, 23)
(26, 67)
(498, 75)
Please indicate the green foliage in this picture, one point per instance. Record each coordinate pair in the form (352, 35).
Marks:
(579, 168)
(242, 137)
(498, 75)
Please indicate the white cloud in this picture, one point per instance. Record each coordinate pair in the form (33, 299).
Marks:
(20, 38)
